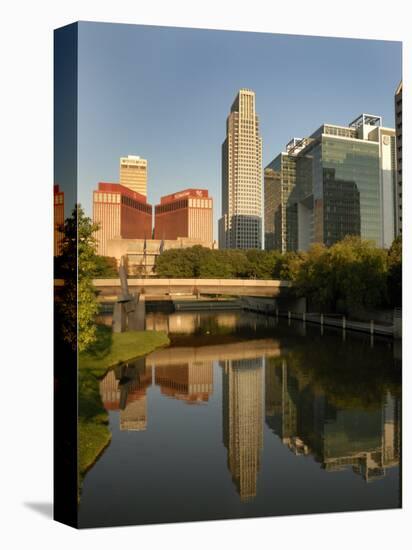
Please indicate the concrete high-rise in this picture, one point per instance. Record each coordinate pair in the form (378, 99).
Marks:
(187, 214)
(120, 212)
(241, 223)
(398, 128)
(133, 174)
(339, 181)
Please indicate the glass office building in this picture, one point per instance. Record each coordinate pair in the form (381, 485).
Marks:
(279, 183)
(343, 184)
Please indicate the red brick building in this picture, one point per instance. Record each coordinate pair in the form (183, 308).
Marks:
(58, 199)
(188, 213)
(120, 212)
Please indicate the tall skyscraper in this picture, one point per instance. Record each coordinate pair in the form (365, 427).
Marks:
(133, 173)
(187, 214)
(241, 223)
(120, 212)
(339, 181)
(398, 127)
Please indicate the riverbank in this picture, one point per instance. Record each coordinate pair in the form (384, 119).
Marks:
(109, 350)
(269, 307)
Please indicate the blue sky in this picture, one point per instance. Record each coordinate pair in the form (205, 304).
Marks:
(164, 93)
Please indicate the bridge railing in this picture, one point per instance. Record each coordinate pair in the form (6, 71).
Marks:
(329, 319)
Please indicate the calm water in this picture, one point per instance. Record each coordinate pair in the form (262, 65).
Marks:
(246, 416)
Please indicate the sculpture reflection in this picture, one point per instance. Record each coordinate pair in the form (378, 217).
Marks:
(124, 389)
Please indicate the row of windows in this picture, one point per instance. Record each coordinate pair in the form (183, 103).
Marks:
(127, 201)
(107, 197)
(178, 205)
(200, 203)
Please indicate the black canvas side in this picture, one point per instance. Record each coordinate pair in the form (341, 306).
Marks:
(65, 275)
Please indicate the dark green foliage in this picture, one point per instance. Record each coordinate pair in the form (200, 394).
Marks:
(349, 277)
(77, 267)
(395, 273)
(201, 262)
(105, 268)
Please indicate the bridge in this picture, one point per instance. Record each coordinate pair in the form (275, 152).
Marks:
(169, 287)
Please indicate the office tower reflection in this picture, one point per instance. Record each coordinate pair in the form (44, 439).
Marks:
(124, 389)
(192, 382)
(338, 434)
(243, 421)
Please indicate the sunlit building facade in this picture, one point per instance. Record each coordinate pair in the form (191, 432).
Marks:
(186, 214)
(133, 174)
(241, 223)
(120, 212)
(142, 253)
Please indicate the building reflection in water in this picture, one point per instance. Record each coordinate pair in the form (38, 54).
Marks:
(308, 422)
(124, 389)
(179, 323)
(242, 388)
(192, 382)
(262, 379)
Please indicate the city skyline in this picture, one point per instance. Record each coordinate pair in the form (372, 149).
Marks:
(132, 114)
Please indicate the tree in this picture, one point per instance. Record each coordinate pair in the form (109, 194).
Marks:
(395, 272)
(288, 266)
(105, 268)
(261, 264)
(348, 277)
(360, 270)
(78, 268)
(314, 278)
(174, 263)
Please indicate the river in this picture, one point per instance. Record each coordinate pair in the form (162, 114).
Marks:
(245, 415)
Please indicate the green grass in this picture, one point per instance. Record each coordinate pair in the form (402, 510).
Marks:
(113, 348)
(109, 350)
